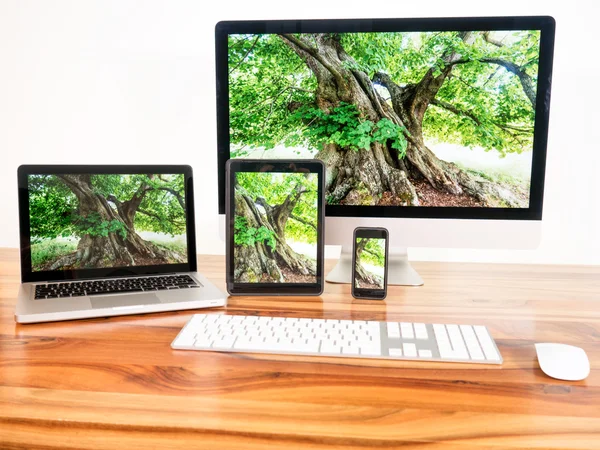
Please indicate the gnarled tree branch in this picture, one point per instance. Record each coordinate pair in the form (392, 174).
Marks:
(298, 43)
(455, 110)
(175, 194)
(490, 40)
(303, 221)
(524, 78)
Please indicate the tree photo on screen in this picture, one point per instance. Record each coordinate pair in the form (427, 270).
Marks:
(275, 227)
(83, 221)
(370, 263)
(418, 119)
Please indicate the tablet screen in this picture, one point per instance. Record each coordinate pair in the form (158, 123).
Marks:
(275, 227)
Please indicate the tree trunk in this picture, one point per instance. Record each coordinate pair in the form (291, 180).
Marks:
(361, 177)
(364, 278)
(113, 250)
(258, 262)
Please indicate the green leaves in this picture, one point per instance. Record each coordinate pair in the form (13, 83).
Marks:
(388, 130)
(160, 210)
(94, 225)
(51, 205)
(373, 251)
(269, 78)
(273, 189)
(343, 126)
(55, 211)
(273, 93)
(248, 236)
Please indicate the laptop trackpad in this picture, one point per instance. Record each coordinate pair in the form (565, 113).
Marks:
(112, 301)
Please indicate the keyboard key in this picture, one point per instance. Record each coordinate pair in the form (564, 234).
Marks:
(443, 341)
(395, 352)
(330, 348)
(472, 343)
(186, 339)
(420, 331)
(410, 350)
(425, 354)
(224, 342)
(371, 350)
(393, 331)
(456, 339)
(203, 341)
(486, 343)
(407, 330)
(350, 350)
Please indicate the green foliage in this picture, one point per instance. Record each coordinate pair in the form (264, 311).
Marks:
(269, 83)
(55, 210)
(94, 225)
(265, 76)
(274, 188)
(246, 235)
(387, 130)
(331, 200)
(51, 206)
(160, 210)
(45, 251)
(344, 126)
(373, 251)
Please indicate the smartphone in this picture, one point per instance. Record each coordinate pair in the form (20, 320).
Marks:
(370, 263)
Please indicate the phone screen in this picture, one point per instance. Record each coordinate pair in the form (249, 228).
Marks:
(370, 263)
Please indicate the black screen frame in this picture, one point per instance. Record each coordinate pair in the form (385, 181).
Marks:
(27, 275)
(545, 24)
(370, 233)
(234, 166)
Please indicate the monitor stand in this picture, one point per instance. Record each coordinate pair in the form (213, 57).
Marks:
(400, 272)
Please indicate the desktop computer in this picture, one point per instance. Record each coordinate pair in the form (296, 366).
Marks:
(435, 129)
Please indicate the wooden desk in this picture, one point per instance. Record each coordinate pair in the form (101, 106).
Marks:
(116, 383)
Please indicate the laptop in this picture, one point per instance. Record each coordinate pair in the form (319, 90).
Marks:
(108, 240)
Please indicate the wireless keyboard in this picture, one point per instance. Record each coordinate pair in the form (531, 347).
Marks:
(343, 338)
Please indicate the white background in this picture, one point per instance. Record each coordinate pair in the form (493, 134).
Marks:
(128, 82)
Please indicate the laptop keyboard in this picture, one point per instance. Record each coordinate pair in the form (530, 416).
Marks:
(114, 286)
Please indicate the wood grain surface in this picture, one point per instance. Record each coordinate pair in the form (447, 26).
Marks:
(115, 382)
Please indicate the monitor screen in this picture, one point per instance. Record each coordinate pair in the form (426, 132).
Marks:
(275, 222)
(98, 221)
(403, 120)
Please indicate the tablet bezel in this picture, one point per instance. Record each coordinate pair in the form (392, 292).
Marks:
(279, 166)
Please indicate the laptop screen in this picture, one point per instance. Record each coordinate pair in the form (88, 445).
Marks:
(102, 221)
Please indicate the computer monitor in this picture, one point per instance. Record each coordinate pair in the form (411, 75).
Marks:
(435, 129)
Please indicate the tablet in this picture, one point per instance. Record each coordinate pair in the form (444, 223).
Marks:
(275, 227)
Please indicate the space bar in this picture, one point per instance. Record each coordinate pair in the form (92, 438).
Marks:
(115, 291)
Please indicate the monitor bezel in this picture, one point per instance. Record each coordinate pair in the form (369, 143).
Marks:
(545, 24)
(28, 275)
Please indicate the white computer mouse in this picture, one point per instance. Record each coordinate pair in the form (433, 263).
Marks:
(564, 362)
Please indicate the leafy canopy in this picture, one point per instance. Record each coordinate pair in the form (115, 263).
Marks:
(246, 235)
(274, 189)
(373, 251)
(344, 127)
(54, 208)
(267, 77)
